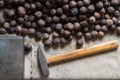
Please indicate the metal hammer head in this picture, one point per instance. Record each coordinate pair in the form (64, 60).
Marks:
(42, 62)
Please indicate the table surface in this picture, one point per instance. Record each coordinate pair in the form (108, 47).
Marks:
(101, 66)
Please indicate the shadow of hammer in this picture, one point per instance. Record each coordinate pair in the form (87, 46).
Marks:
(44, 62)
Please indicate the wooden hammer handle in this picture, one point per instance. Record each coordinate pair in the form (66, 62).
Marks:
(83, 52)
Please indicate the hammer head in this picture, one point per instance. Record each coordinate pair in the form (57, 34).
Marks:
(42, 62)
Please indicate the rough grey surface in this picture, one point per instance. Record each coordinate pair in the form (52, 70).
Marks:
(102, 66)
(11, 58)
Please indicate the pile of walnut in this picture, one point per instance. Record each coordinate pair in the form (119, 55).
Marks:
(61, 19)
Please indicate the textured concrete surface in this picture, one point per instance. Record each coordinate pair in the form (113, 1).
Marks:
(101, 66)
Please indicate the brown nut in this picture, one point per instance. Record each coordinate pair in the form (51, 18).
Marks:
(45, 36)
(91, 8)
(86, 2)
(41, 22)
(56, 41)
(55, 34)
(63, 41)
(62, 32)
(48, 19)
(68, 38)
(66, 7)
(38, 14)
(58, 27)
(18, 29)
(88, 35)
(86, 29)
(47, 43)
(56, 19)
(92, 20)
(53, 12)
(113, 27)
(104, 28)
(67, 33)
(39, 5)
(26, 17)
(34, 25)
(48, 30)
(109, 22)
(38, 35)
(69, 26)
(3, 31)
(63, 17)
(28, 47)
(118, 23)
(79, 42)
(65, 1)
(73, 18)
(31, 18)
(20, 20)
(49, 4)
(27, 6)
(72, 4)
(77, 26)
(32, 6)
(31, 31)
(102, 11)
(6, 25)
(94, 34)
(80, 3)
(107, 16)
(59, 11)
(83, 10)
(115, 3)
(102, 21)
(118, 30)
(99, 5)
(101, 34)
(114, 19)
(2, 4)
(107, 3)
(27, 24)
(82, 17)
(110, 10)
(79, 35)
(97, 15)
(24, 32)
(97, 27)
(117, 13)
(21, 11)
(10, 13)
(11, 30)
(84, 24)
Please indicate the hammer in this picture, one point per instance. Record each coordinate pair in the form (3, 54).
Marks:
(44, 62)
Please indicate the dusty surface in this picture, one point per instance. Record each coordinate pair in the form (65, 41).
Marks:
(102, 66)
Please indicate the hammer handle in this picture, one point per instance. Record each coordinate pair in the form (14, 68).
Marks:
(82, 52)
